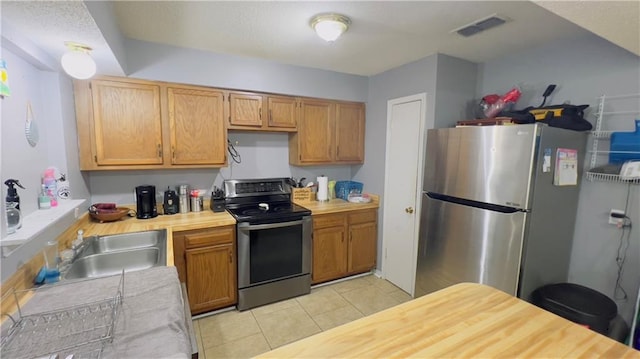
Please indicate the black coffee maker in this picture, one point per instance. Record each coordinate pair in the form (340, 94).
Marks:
(146, 202)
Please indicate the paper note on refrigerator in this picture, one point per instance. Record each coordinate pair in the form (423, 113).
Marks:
(566, 173)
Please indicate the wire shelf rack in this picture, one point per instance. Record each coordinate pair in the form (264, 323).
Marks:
(598, 134)
(605, 177)
(79, 330)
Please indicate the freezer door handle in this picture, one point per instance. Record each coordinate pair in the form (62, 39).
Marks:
(471, 203)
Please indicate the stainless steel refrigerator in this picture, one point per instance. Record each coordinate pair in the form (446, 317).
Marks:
(498, 207)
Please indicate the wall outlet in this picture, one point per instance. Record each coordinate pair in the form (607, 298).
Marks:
(616, 216)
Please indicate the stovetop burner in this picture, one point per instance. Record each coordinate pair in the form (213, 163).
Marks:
(262, 201)
(265, 210)
(276, 212)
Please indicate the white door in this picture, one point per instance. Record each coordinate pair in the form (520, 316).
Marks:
(402, 188)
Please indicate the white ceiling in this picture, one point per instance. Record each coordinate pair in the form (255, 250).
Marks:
(383, 35)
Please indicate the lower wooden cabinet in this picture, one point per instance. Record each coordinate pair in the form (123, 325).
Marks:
(362, 247)
(206, 262)
(344, 244)
(329, 253)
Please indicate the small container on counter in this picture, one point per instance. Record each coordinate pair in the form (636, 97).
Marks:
(196, 201)
(183, 198)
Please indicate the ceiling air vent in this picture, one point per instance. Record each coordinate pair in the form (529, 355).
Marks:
(480, 25)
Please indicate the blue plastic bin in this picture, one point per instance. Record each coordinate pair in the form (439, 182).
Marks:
(344, 188)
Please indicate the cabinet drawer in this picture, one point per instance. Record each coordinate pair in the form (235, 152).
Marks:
(328, 220)
(208, 237)
(363, 216)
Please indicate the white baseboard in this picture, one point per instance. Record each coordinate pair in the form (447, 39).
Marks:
(342, 279)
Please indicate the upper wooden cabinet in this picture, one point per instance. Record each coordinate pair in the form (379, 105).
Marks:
(313, 143)
(245, 110)
(127, 124)
(329, 132)
(283, 112)
(136, 124)
(350, 132)
(196, 122)
(257, 112)
(131, 124)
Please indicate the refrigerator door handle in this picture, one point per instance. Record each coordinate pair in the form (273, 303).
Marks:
(471, 203)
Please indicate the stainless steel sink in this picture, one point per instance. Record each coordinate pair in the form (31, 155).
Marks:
(125, 241)
(108, 255)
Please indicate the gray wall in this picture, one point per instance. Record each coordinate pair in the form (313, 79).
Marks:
(410, 79)
(455, 90)
(584, 69)
(262, 155)
(175, 64)
(103, 14)
(449, 84)
(51, 97)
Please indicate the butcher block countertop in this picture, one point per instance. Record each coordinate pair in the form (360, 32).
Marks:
(462, 321)
(338, 205)
(176, 222)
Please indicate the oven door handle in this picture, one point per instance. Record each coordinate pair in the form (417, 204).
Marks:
(253, 227)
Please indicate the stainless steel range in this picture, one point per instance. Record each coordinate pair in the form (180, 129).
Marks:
(274, 241)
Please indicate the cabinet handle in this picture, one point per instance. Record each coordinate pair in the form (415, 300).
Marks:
(173, 152)
(350, 236)
(159, 150)
(270, 115)
(342, 240)
(230, 257)
(260, 112)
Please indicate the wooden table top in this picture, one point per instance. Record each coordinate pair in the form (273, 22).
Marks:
(462, 321)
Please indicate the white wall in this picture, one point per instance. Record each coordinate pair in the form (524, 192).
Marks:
(584, 69)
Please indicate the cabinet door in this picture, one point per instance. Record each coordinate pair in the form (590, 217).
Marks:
(329, 254)
(211, 277)
(196, 120)
(282, 112)
(350, 132)
(362, 247)
(127, 125)
(315, 131)
(245, 110)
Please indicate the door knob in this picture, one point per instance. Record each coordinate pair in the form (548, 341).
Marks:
(409, 209)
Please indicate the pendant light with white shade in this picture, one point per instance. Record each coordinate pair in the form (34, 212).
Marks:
(77, 61)
(330, 26)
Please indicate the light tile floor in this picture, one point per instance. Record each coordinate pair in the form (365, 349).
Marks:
(245, 334)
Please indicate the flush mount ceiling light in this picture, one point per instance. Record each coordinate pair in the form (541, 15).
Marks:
(330, 26)
(77, 61)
